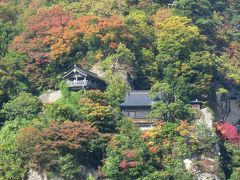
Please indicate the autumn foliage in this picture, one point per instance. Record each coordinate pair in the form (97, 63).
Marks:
(34, 41)
(179, 51)
(89, 31)
(228, 132)
(164, 135)
(59, 139)
(72, 135)
(53, 33)
(54, 39)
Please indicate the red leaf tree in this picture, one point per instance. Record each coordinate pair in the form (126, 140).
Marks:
(228, 132)
(34, 41)
(45, 147)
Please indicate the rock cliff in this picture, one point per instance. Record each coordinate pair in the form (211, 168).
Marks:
(226, 106)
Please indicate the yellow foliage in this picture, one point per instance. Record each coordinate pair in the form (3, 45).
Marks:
(161, 15)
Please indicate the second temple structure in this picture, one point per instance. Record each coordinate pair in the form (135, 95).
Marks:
(137, 104)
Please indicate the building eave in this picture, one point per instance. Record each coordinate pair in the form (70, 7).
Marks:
(135, 107)
(84, 73)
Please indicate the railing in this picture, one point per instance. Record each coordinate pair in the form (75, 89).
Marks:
(81, 83)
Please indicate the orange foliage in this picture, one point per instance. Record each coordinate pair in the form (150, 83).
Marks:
(53, 36)
(35, 41)
(164, 134)
(161, 15)
(27, 137)
(153, 149)
(71, 135)
(56, 140)
(185, 129)
(129, 154)
(87, 28)
(40, 24)
(146, 134)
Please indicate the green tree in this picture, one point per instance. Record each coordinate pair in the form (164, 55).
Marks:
(171, 143)
(229, 63)
(116, 90)
(102, 116)
(13, 77)
(127, 155)
(229, 21)
(167, 106)
(121, 61)
(7, 33)
(148, 69)
(60, 148)
(157, 153)
(23, 106)
(200, 11)
(141, 27)
(100, 8)
(9, 12)
(177, 38)
(182, 56)
(92, 106)
(195, 76)
(12, 82)
(12, 166)
(231, 160)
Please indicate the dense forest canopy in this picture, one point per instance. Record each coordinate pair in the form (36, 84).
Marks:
(178, 49)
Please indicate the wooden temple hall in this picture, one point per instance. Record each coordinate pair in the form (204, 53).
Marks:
(137, 106)
(78, 78)
(137, 103)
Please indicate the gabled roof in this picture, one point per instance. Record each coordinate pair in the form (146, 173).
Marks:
(196, 102)
(82, 71)
(137, 98)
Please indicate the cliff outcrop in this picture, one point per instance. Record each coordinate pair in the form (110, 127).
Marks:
(226, 105)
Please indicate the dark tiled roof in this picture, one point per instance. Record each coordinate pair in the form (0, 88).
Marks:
(196, 102)
(137, 99)
(82, 71)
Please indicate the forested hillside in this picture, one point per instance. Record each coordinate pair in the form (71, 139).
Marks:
(181, 50)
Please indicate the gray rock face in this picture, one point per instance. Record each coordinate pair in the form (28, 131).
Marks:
(226, 107)
(203, 169)
(188, 163)
(50, 97)
(85, 172)
(116, 68)
(206, 117)
(206, 176)
(97, 70)
(34, 175)
(233, 114)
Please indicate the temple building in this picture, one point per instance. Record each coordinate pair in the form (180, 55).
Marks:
(137, 106)
(78, 78)
(137, 103)
(196, 104)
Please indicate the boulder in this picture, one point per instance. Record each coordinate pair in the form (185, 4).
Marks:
(206, 176)
(206, 117)
(50, 97)
(84, 173)
(188, 164)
